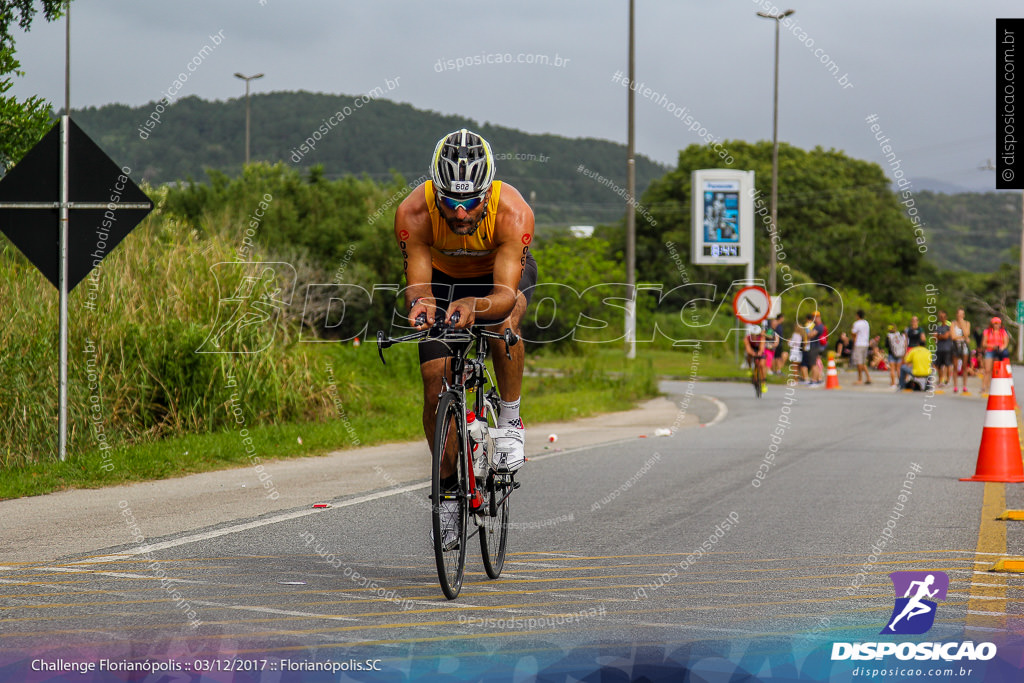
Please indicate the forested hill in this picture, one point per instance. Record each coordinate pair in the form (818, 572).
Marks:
(375, 138)
(971, 231)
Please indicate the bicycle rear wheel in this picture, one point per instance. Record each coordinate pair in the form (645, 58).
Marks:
(449, 530)
(494, 530)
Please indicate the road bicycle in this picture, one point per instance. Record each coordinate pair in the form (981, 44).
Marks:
(756, 378)
(482, 496)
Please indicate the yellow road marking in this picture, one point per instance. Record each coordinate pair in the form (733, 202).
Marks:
(990, 597)
(551, 557)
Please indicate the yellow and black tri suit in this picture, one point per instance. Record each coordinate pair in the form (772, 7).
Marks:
(463, 265)
(463, 256)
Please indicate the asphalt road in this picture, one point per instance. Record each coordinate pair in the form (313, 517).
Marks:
(743, 540)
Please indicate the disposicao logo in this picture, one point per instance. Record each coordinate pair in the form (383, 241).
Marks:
(914, 613)
(917, 595)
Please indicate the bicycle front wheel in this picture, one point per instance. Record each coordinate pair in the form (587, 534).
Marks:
(494, 530)
(449, 508)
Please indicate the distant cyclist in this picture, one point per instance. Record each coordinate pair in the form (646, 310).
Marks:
(754, 345)
(465, 241)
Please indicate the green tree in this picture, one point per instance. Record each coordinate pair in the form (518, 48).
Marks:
(838, 219)
(335, 232)
(24, 11)
(577, 295)
(22, 123)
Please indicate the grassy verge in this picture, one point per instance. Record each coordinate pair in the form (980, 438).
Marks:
(390, 412)
(679, 363)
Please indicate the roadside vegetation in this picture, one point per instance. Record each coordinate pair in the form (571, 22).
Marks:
(236, 304)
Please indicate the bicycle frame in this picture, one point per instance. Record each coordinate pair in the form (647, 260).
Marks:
(454, 380)
(464, 373)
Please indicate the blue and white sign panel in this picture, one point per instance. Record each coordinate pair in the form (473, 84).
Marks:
(723, 217)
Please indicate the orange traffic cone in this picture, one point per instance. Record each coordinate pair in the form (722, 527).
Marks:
(1009, 373)
(831, 375)
(999, 457)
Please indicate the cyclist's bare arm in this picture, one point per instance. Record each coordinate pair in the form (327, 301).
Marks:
(751, 351)
(414, 235)
(513, 232)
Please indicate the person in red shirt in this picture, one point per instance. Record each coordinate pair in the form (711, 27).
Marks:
(824, 331)
(994, 342)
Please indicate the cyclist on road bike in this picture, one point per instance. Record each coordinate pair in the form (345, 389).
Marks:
(465, 241)
(754, 345)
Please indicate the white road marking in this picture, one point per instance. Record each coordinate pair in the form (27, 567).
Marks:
(723, 410)
(216, 533)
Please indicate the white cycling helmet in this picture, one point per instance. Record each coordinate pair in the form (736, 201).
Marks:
(462, 165)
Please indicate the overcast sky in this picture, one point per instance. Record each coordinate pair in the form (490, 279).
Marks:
(926, 68)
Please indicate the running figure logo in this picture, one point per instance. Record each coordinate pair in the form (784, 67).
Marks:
(251, 297)
(914, 613)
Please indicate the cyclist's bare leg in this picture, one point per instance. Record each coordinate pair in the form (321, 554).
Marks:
(432, 371)
(509, 373)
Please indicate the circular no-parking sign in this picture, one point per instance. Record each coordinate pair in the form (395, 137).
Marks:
(752, 304)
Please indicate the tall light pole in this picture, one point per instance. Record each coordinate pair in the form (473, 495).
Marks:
(775, 147)
(630, 205)
(247, 79)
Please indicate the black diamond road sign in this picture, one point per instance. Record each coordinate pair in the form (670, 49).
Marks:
(104, 205)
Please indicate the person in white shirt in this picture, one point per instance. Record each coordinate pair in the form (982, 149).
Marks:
(861, 339)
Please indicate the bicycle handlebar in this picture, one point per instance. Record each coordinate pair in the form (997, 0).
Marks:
(443, 331)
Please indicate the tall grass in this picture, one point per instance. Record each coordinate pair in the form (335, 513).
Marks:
(134, 373)
(148, 372)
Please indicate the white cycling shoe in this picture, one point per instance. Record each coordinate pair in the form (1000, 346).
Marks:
(509, 448)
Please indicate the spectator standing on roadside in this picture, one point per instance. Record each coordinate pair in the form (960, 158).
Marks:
(961, 336)
(796, 351)
(811, 349)
(995, 341)
(771, 343)
(896, 343)
(915, 335)
(820, 333)
(861, 340)
(781, 355)
(823, 340)
(943, 349)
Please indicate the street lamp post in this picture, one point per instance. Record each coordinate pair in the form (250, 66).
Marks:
(630, 331)
(247, 79)
(775, 146)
